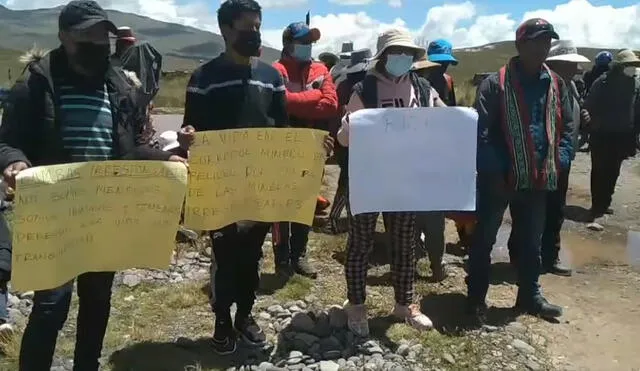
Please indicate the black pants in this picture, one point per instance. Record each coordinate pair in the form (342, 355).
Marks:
(608, 151)
(551, 240)
(238, 250)
(290, 241)
(49, 313)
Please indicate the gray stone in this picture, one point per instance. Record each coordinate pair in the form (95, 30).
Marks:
(489, 328)
(596, 227)
(370, 367)
(301, 304)
(299, 366)
(342, 362)
(337, 317)
(13, 301)
(532, 365)
(403, 349)
(15, 315)
(131, 280)
(372, 347)
(275, 309)
(523, 347)
(350, 364)
(449, 358)
(295, 357)
(295, 309)
(516, 328)
(329, 366)
(302, 322)
(416, 348)
(284, 314)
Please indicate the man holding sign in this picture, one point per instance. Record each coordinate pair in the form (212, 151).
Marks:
(93, 116)
(236, 90)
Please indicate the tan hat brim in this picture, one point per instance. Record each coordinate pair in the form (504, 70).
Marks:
(424, 64)
(420, 52)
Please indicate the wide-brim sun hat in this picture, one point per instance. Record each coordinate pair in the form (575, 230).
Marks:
(424, 64)
(576, 58)
(400, 38)
(626, 58)
(360, 61)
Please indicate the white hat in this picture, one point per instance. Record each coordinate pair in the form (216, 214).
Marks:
(566, 51)
(168, 140)
(395, 37)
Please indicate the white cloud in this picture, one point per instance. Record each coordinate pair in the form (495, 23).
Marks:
(395, 3)
(464, 23)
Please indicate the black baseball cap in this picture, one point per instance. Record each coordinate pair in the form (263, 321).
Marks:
(80, 15)
(534, 28)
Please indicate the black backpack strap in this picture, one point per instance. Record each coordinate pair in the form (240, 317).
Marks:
(423, 87)
(367, 89)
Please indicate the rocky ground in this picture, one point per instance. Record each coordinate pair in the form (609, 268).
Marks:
(161, 319)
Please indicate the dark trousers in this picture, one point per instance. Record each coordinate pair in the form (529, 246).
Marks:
(340, 201)
(431, 223)
(608, 151)
(551, 240)
(290, 241)
(238, 250)
(528, 210)
(49, 313)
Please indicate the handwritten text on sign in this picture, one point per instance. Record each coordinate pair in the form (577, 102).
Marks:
(96, 216)
(412, 159)
(259, 174)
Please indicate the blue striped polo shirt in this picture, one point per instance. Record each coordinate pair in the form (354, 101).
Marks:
(87, 123)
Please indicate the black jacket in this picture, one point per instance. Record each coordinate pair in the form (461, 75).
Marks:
(30, 129)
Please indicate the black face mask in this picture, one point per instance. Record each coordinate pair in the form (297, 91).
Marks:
(248, 43)
(93, 58)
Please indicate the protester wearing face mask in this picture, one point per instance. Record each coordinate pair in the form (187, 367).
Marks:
(613, 104)
(440, 51)
(78, 124)
(311, 103)
(389, 84)
(236, 90)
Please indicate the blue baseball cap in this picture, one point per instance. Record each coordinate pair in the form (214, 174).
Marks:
(439, 51)
(300, 30)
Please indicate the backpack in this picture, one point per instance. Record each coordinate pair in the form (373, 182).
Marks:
(367, 90)
(146, 62)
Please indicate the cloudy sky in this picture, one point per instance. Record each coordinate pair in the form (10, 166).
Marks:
(597, 23)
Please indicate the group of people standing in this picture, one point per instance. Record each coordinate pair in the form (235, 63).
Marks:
(77, 104)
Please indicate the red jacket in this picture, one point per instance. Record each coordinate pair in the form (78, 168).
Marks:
(311, 93)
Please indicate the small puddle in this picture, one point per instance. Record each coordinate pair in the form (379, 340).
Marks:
(579, 250)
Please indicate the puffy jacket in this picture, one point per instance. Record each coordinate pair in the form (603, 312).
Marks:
(311, 94)
(30, 129)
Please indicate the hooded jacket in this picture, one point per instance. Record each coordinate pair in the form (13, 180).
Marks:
(30, 129)
(311, 94)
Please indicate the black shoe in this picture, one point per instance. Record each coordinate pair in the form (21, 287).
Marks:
(557, 268)
(538, 306)
(249, 330)
(284, 271)
(609, 211)
(224, 339)
(477, 312)
(304, 268)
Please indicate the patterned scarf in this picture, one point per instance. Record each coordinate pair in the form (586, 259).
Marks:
(516, 119)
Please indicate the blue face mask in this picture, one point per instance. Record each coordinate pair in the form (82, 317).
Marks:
(398, 64)
(302, 52)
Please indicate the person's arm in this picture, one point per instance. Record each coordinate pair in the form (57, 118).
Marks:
(594, 98)
(315, 104)
(355, 104)
(19, 112)
(487, 104)
(278, 107)
(565, 146)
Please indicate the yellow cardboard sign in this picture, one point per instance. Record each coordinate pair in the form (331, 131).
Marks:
(94, 216)
(259, 174)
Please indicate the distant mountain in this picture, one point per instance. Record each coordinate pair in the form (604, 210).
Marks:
(182, 46)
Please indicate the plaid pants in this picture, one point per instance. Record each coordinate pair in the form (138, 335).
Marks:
(362, 227)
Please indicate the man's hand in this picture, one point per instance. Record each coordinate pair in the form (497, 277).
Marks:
(176, 158)
(585, 116)
(11, 171)
(186, 136)
(328, 144)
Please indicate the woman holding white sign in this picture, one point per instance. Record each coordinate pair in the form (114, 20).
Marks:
(389, 84)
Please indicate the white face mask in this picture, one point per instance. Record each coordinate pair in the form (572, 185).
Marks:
(629, 71)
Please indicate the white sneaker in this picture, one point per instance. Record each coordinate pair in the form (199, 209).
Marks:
(413, 316)
(357, 320)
